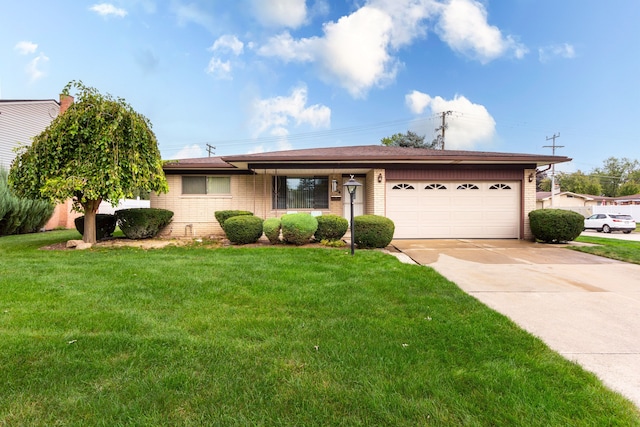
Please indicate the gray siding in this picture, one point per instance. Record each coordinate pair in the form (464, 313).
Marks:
(20, 121)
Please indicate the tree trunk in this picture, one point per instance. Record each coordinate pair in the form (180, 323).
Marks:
(90, 210)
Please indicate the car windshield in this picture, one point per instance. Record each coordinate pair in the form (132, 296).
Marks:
(628, 217)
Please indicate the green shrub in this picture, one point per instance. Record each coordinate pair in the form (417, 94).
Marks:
(105, 225)
(271, 227)
(18, 215)
(243, 229)
(331, 227)
(298, 228)
(143, 223)
(222, 216)
(555, 225)
(372, 231)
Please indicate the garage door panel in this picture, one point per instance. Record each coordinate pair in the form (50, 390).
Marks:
(490, 211)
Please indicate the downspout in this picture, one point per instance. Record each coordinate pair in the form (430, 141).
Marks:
(275, 188)
(254, 191)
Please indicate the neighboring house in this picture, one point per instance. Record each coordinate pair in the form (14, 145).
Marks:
(427, 193)
(628, 200)
(567, 199)
(20, 122)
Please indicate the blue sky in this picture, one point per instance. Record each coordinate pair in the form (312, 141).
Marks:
(262, 75)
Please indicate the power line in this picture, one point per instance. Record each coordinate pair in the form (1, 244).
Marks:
(346, 131)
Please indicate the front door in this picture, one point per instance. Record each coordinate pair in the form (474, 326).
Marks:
(358, 202)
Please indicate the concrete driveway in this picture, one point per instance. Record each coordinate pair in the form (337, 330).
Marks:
(585, 307)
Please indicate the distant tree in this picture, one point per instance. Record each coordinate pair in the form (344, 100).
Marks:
(545, 184)
(99, 149)
(629, 188)
(614, 173)
(540, 177)
(409, 139)
(578, 182)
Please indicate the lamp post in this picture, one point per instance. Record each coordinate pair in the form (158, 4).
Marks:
(352, 185)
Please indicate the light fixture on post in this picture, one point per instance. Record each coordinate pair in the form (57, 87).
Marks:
(531, 177)
(379, 177)
(352, 185)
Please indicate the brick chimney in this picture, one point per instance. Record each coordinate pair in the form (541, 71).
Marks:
(65, 102)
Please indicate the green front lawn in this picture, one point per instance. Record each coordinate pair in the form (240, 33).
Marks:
(268, 336)
(622, 250)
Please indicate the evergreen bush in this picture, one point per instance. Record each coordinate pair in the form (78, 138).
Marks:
(271, 228)
(331, 227)
(222, 216)
(105, 225)
(143, 223)
(372, 231)
(298, 228)
(555, 225)
(243, 229)
(18, 215)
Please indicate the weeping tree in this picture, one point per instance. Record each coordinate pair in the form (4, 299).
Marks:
(99, 149)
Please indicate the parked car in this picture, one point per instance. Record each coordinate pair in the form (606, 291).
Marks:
(610, 222)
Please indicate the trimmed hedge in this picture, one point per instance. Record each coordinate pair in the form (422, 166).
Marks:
(372, 231)
(271, 228)
(298, 228)
(222, 216)
(143, 223)
(243, 229)
(555, 225)
(105, 225)
(331, 227)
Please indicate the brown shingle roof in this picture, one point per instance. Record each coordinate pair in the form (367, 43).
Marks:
(365, 154)
(198, 163)
(386, 154)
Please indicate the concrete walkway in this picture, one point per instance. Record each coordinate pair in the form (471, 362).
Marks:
(585, 307)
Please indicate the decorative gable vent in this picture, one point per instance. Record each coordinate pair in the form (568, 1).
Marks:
(500, 187)
(435, 187)
(403, 187)
(468, 187)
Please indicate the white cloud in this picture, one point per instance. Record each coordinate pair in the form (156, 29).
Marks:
(469, 124)
(288, 49)
(26, 47)
(280, 13)
(107, 9)
(357, 52)
(275, 115)
(219, 69)
(353, 51)
(257, 149)
(463, 26)
(190, 152)
(35, 67)
(564, 50)
(228, 43)
(408, 16)
(192, 14)
(417, 101)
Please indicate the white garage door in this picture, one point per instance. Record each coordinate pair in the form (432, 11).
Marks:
(454, 210)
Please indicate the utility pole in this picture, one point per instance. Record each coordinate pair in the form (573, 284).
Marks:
(442, 128)
(553, 147)
(210, 149)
